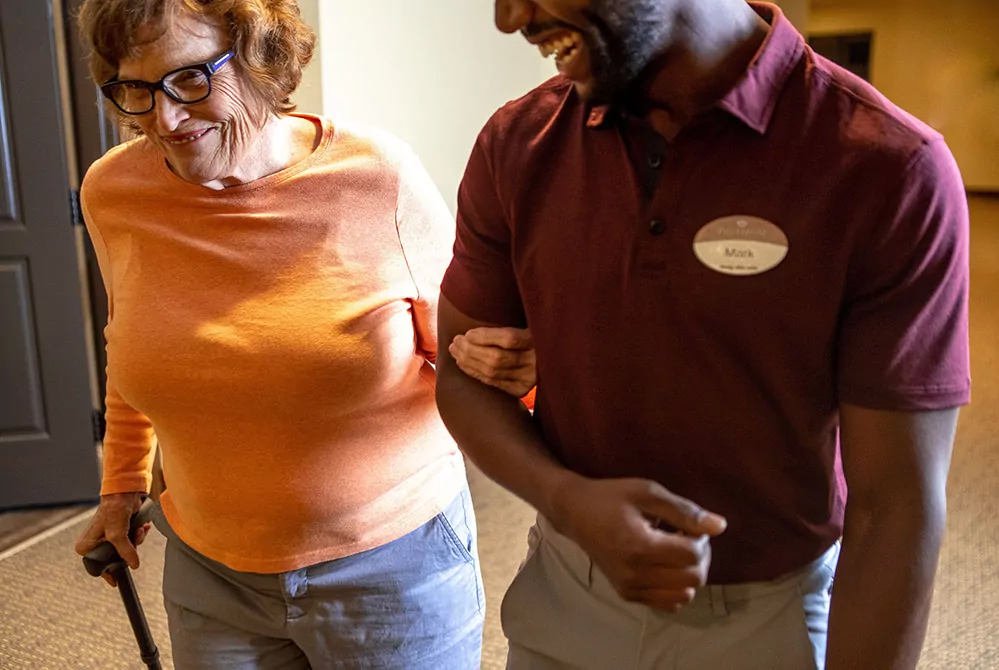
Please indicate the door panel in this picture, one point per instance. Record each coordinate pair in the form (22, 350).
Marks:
(22, 413)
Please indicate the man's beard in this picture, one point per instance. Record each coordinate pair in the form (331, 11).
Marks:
(623, 38)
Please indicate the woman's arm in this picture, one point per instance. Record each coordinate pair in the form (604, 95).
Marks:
(499, 357)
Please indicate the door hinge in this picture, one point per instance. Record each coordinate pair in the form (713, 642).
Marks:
(74, 207)
(99, 424)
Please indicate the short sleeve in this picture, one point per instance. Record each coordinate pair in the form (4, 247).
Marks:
(903, 343)
(480, 281)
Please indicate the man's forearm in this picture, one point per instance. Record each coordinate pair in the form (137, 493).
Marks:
(497, 433)
(884, 586)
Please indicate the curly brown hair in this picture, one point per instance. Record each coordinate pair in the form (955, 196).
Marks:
(271, 43)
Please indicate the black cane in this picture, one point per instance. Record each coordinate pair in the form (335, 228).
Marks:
(104, 558)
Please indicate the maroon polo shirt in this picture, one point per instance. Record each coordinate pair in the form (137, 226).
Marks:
(700, 311)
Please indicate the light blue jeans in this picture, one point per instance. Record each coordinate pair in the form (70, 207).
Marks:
(416, 603)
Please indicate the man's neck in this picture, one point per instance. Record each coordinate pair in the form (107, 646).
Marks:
(714, 43)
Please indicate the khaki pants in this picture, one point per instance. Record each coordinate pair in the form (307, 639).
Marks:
(561, 612)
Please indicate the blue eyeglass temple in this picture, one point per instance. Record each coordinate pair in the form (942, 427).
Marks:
(220, 61)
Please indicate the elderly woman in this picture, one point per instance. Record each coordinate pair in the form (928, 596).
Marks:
(273, 283)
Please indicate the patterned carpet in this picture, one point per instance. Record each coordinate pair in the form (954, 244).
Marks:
(52, 616)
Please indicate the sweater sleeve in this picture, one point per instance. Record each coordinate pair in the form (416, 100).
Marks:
(426, 233)
(129, 443)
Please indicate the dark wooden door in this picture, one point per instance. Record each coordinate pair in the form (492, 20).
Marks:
(47, 446)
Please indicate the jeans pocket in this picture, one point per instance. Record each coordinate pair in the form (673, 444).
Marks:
(457, 524)
(456, 530)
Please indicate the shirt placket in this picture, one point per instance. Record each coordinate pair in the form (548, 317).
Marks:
(653, 161)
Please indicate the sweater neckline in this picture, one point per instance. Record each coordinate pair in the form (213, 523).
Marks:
(328, 133)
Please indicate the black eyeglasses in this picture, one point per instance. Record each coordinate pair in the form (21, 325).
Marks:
(186, 85)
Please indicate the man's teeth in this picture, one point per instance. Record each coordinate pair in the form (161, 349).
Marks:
(561, 46)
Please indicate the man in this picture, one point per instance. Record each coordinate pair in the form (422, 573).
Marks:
(745, 276)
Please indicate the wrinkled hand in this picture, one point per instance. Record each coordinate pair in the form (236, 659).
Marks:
(616, 522)
(110, 523)
(500, 357)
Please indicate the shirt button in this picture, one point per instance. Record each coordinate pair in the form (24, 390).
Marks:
(655, 161)
(657, 227)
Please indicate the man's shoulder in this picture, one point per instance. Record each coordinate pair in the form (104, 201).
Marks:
(879, 145)
(866, 120)
(528, 115)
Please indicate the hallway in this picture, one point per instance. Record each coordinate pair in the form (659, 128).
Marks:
(53, 616)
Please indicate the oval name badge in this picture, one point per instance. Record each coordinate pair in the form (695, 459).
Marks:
(741, 245)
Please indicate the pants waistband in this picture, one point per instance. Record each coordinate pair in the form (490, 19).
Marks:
(715, 596)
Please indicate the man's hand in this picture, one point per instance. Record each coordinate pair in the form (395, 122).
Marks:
(500, 357)
(617, 523)
(110, 523)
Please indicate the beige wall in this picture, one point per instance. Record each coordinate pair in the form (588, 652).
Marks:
(940, 62)
(798, 11)
(432, 71)
(309, 95)
(429, 71)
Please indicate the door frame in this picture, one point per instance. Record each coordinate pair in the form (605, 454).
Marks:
(93, 133)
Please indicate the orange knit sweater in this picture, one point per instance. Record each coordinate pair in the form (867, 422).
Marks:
(276, 339)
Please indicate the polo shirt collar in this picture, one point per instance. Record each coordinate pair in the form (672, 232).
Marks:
(754, 97)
